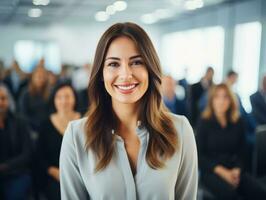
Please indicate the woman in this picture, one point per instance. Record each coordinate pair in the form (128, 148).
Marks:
(128, 146)
(33, 101)
(15, 152)
(221, 145)
(64, 104)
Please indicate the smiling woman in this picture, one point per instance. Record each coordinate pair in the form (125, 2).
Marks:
(129, 146)
(125, 75)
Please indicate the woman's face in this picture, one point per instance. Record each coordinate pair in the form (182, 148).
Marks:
(39, 78)
(124, 73)
(221, 102)
(64, 99)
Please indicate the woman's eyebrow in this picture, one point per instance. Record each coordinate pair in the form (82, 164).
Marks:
(112, 58)
(116, 58)
(137, 56)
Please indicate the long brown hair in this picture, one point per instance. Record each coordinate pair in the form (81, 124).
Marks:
(232, 114)
(33, 90)
(101, 119)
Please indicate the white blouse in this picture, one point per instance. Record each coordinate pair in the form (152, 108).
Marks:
(177, 180)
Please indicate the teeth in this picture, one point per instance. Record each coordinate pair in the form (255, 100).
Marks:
(126, 87)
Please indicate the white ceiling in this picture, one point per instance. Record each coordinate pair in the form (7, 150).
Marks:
(83, 11)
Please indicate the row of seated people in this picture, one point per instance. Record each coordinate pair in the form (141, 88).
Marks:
(23, 165)
(181, 98)
(190, 100)
(225, 148)
(30, 92)
(220, 141)
(33, 105)
(222, 149)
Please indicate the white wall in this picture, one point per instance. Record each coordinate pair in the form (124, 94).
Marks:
(77, 43)
(228, 16)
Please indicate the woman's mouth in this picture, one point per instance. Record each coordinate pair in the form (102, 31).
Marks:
(126, 88)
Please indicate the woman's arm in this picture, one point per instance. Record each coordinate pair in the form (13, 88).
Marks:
(71, 183)
(54, 172)
(187, 179)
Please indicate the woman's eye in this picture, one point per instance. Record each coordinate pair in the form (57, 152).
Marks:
(113, 64)
(137, 62)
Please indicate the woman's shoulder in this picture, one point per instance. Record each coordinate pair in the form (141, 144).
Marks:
(179, 121)
(183, 127)
(75, 130)
(77, 125)
(186, 138)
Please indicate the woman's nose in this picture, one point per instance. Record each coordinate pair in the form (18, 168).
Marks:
(126, 71)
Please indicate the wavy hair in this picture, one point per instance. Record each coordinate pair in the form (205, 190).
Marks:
(232, 114)
(153, 114)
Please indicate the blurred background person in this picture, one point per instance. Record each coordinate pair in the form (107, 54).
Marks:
(197, 91)
(173, 103)
(52, 79)
(33, 103)
(64, 75)
(15, 79)
(80, 80)
(221, 147)
(258, 102)
(64, 104)
(231, 78)
(15, 152)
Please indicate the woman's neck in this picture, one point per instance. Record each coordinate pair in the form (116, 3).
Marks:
(127, 115)
(66, 114)
(221, 119)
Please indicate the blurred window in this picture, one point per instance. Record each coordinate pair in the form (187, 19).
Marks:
(246, 59)
(28, 53)
(193, 50)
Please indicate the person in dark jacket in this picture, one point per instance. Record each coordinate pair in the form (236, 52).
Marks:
(33, 102)
(221, 145)
(64, 105)
(15, 152)
(258, 102)
(172, 102)
(197, 90)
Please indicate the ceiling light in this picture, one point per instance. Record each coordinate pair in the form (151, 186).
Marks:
(41, 2)
(120, 5)
(101, 16)
(149, 19)
(164, 13)
(193, 4)
(110, 10)
(35, 12)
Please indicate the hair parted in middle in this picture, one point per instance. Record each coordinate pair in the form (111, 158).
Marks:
(232, 114)
(163, 142)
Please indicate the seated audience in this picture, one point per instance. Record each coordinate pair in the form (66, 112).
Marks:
(221, 144)
(16, 80)
(258, 102)
(64, 104)
(33, 103)
(15, 152)
(172, 102)
(196, 92)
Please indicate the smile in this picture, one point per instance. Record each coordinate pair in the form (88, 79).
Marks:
(126, 88)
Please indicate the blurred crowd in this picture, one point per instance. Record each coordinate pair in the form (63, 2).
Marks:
(35, 109)
(226, 135)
